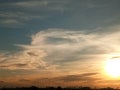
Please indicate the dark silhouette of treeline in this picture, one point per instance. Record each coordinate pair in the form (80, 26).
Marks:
(57, 88)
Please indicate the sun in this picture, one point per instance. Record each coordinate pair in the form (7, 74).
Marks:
(112, 67)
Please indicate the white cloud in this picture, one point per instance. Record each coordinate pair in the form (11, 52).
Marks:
(36, 9)
(60, 39)
(10, 21)
(31, 3)
(47, 5)
(16, 15)
(67, 46)
(13, 19)
(28, 59)
(58, 48)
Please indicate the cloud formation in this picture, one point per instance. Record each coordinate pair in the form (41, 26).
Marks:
(81, 77)
(78, 56)
(27, 11)
(61, 47)
(26, 59)
(73, 13)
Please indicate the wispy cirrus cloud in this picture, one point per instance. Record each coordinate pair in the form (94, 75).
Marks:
(23, 60)
(65, 80)
(62, 47)
(15, 18)
(37, 4)
(28, 10)
(80, 77)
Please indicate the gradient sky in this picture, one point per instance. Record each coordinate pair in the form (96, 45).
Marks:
(58, 42)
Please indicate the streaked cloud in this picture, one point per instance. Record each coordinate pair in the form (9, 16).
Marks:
(71, 57)
(72, 13)
(81, 77)
(50, 49)
(22, 60)
(39, 9)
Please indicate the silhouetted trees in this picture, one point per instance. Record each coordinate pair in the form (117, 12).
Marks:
(57, 88)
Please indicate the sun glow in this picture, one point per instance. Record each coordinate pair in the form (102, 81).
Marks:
(113, 67)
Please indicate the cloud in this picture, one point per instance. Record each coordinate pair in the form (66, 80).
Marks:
(22, 60)
(25, 12)
(54, 5)
(16, 18)
(68, 42)
(18, 15)
(81, 77)
(31, 3)
(60, 49)
(28, 10)
(64, 47)
(68, 80)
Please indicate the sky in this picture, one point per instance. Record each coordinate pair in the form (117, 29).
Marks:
(58, 42)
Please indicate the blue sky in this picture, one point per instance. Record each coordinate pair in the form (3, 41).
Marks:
(58, 36)
(19, 19)
(78, 14)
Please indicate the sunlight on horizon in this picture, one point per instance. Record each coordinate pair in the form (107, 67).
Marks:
(112, 67)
